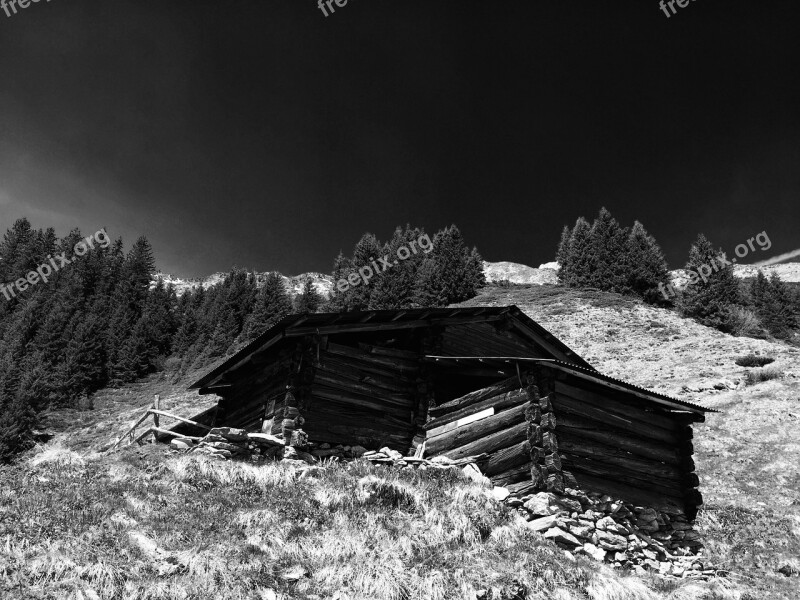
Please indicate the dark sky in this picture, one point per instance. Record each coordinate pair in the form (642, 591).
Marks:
(265, 135)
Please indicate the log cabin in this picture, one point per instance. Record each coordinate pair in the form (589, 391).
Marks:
(483, 381)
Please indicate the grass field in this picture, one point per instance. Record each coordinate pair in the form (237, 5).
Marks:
(147, 523)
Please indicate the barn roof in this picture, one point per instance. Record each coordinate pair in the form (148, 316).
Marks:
(295, 326)
(579, 371)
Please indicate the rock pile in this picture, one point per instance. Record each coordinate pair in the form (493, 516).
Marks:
(613, 531)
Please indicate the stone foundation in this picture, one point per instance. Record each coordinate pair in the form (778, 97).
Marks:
(614, 531)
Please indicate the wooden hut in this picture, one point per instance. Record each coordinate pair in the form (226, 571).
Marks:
(463, 381)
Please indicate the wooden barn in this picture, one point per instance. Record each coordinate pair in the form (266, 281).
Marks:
(487, 382)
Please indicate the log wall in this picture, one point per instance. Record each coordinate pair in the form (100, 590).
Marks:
(370, 396)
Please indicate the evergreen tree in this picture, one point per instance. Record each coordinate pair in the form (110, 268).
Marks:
(608, 243)
(580, 256)
(645, 265)
(450, 273)
(563, 256)
(709, 301)
(338, 300)
(271, 305)
(309, 299)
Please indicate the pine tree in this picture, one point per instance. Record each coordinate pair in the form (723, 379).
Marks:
(709, 302)
(309, 299)
(645, 265)
(581, 255)
(450, 273)
(563, 256)
(338, 301)
(608, 243)
(271, 305)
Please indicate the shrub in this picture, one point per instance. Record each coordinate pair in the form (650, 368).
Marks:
(754, 360)
(743, 322)
(754, 377)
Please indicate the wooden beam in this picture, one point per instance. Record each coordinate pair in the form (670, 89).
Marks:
(499, 402)
(155, 413)
(479, 429)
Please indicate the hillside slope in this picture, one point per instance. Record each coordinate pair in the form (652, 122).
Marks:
(149, 524)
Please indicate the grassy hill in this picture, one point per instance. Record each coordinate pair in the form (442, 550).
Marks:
(146, 523)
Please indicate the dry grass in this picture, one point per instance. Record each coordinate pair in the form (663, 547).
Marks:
(190, 527)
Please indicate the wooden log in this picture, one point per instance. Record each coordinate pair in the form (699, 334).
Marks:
(572, 446)
(334, 361)
(337, 382)
(351, 372)
(585, 429)
(659, 485)
(171, 433)
(534, 413)
(394, 352)
(521, 488)
(498, 402)
(550, 442)
(564, 405)
(441, 430)
(132, 428)
(490, 443)
(548, 421)
(514, 475)
(496, 389)
(507, 458)
(476, 430)
(634, 494)
(535, 435)
(546, 403)
(611, 402)
(361, 401)
(155, 412)
(553, 463)
(392, 362)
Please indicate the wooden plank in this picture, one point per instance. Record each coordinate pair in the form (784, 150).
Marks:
(566, 405)
(352, 328)
(477, 396)
(132, 428)
(155, 413)
(576, 464)
(507, 458)
(513, 475)
(634, 494)
(466, 420)
(571, 445)
(479, 429)
(611, 402)
(499, 402)
(585, 429)
(173, 434)
(384, 351)
(490, 443)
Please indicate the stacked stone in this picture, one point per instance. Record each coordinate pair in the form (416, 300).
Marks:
(387, 456)
(227, 442)
(613, 531)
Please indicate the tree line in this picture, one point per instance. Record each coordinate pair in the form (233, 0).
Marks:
(604, 255)
(103, 321)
